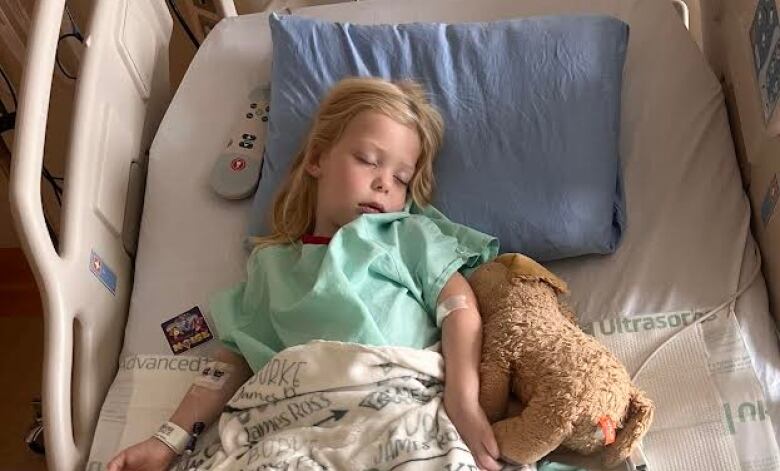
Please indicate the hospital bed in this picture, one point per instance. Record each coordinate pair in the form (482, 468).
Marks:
(133, 145)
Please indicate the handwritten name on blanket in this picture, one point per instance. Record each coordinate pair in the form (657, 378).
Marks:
(277, 372)
(274, 448)
(417, 431)
(294, 412)
(300, 408)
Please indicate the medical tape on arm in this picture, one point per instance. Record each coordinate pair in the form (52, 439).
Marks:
(214, 375)
(448, 306)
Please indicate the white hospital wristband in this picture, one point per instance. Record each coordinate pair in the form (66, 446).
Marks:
(173, 436)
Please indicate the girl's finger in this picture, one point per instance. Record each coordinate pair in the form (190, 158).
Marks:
(485, 461)
(117, 463)
(491, 445)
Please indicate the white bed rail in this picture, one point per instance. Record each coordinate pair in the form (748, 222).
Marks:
(122, 93)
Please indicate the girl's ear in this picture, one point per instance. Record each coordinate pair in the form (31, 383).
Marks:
(312, 165)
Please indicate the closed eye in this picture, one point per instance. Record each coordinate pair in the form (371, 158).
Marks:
(366, 160)
(402, 181)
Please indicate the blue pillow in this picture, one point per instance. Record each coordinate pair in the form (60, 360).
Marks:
(531, 109)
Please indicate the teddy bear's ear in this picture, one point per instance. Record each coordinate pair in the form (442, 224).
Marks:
(525, 268)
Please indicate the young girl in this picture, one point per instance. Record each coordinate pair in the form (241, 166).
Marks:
(350, 259)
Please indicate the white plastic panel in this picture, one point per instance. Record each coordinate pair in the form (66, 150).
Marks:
(119, 146)
(140, 39)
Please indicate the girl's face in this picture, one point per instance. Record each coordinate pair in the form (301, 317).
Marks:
(367, 170)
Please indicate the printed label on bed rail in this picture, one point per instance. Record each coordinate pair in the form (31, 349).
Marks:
(103, 272)
(186, 331)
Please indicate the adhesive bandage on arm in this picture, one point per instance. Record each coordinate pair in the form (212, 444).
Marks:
(448, 306)
(214, 375)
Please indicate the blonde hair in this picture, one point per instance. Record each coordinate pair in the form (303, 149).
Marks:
(294, 207)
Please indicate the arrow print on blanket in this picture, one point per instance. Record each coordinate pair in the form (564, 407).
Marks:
(337, 415)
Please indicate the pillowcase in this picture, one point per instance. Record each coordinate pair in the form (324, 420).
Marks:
(531, 109)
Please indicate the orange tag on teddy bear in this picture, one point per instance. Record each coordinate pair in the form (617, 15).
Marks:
(608, 428)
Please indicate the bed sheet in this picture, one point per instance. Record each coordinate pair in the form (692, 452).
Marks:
(687, 244)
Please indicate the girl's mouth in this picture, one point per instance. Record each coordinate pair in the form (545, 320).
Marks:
(371, 208)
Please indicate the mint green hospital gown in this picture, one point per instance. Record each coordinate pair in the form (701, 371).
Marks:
(376, 282)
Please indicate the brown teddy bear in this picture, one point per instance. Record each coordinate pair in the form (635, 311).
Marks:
(573, 392)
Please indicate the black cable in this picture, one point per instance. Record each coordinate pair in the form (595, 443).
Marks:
(54, 238)
(54, 185)
(184, 25)
(75, 32)
(10, 88)
(7, 120)
(76, 35)
(70, 18)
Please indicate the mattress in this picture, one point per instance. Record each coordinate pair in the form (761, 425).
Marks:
(687, 244)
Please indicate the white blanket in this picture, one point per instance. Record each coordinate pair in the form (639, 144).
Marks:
(339, 406)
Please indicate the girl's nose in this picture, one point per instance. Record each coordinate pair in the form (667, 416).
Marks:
(380, 184)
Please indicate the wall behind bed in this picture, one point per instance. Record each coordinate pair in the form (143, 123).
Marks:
(726, 42)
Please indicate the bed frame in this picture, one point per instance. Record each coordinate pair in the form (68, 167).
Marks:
(123, 92)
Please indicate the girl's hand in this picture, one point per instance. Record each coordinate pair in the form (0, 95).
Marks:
(149, 455)
(474, 428)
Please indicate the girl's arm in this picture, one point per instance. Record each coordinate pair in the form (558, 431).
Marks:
(462, 347)
(205, 404)
(200, 404)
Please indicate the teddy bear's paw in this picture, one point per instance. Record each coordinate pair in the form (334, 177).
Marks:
(512, 451)
(518, 446)
(615, 456)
